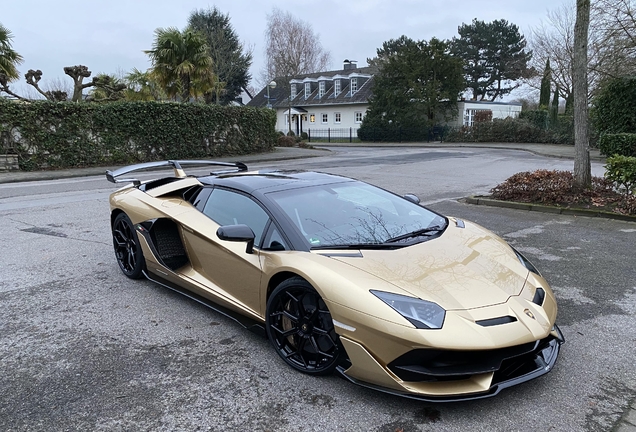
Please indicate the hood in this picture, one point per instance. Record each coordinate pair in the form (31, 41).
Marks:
(464, 268)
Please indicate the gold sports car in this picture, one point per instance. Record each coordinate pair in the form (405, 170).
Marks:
(343, 276)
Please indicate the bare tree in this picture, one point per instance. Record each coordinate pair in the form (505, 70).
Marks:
(582, 167)
(291, 48)
(611, 44)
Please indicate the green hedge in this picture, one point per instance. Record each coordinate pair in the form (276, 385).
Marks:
(64, 134)
(621, 170)
(618, 144)
(515, 130)
(614, 106)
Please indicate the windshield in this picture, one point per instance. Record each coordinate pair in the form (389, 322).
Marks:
(356, 214)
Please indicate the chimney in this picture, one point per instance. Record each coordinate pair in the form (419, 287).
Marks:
(350, 64)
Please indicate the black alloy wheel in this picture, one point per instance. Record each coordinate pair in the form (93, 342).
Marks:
(127, 248)
(300, 327)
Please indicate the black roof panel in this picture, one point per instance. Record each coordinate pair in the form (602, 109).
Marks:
(269, 181)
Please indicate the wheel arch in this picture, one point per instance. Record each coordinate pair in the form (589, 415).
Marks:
(279, 278)
(116, 212)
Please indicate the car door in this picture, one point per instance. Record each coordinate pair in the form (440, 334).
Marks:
(226, 264)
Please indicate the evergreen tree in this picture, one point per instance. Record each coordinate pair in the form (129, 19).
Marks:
(554, 108)
(418, 82)
(229, 61)
(544, 95)
(494, 56)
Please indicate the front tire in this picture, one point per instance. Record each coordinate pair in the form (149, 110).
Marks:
(127, 248)
(300, 327)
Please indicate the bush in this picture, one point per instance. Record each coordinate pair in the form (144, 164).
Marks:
(304, 136)
(512, 130)
(614, 106)
(539, 118)
(391, 133)
(621, 170)
(286, 141)
(618, 144)
(66, 134)
(291, 133)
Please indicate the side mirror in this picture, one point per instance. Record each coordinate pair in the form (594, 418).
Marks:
(412, 198)
(237, 233)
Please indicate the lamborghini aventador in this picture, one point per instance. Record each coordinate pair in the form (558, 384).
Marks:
(342, 276)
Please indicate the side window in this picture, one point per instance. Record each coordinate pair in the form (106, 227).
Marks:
(231, 208)
(274, 241)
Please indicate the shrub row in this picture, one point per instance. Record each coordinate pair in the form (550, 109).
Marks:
(514, 130)
(618, 144)
(64, 134)
(390, 133)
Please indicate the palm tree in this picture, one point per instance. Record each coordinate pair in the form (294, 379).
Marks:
(142, 86)
(179, 60)
(9, 58)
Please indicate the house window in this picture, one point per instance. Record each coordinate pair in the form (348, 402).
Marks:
(336, 118)
(312, 118)
(293, 91)
(469, 115)
(336, 88)
(325, 118)
(307, 90)
(354, 85)
(357, 116)
(321, 89)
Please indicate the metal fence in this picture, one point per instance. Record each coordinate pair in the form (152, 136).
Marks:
(371, 134)
(334, 135)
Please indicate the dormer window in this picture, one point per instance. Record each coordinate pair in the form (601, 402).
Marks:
(321, 89)
(336, 88)
(293, 91)
(307, 90)
(354, 86)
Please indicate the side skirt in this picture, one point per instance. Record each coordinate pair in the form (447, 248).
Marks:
(248, 323)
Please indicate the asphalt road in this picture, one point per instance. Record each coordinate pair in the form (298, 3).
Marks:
(84, 348)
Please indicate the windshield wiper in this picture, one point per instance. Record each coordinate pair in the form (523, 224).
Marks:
(416, 233)
(356, 246)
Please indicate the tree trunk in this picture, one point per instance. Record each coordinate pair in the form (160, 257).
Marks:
(185, 89)
(582, 167)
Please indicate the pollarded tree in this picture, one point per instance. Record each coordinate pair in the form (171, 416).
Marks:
(9, 58)
(231, 62)
(495, 57)
(180, 59)
(419, 82)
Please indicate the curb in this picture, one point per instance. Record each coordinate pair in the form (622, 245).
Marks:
(481, 200)
(28, 176)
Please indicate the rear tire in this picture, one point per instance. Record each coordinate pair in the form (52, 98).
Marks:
(127, 248)
(300, 327)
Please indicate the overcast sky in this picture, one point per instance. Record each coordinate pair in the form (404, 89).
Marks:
(110, 36)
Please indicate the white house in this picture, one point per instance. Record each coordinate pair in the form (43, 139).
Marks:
(468, 108)
(334, 101)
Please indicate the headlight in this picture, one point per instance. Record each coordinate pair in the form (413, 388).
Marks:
(422, 314)
(527, 264)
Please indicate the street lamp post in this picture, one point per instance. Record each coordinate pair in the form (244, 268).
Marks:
(272, 85)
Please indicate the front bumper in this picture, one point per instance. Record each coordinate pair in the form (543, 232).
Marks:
(445, 378)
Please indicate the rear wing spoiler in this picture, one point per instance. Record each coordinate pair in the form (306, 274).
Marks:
(177, 165)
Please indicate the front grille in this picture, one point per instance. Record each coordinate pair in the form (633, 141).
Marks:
(431, 365)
